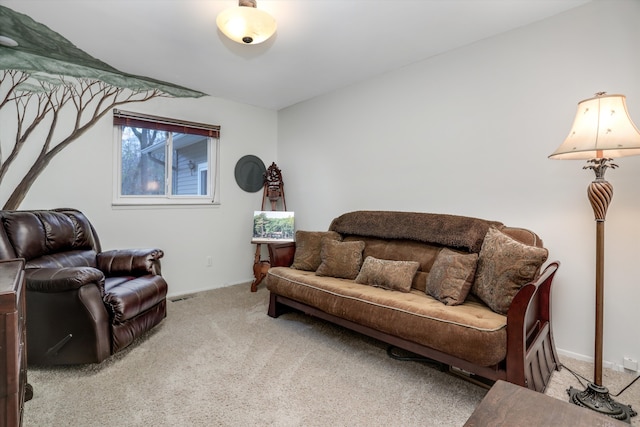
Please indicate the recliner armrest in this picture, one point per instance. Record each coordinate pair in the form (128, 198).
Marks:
(62, 279)
(130, 262)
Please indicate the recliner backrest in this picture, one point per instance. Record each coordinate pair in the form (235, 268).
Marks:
(86, 236)
(33, 234)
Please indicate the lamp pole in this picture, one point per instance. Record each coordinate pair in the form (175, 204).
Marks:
(600, 193)
(596, 396)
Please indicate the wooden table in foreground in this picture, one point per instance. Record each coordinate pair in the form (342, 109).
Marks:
(510, 405)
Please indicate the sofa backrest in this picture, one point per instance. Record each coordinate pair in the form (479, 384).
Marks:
(464, 233)
(401, 250)
(34, 234)
(409, 236)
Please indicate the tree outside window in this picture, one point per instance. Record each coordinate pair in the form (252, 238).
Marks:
(159, 165)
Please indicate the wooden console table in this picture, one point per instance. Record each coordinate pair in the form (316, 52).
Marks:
(14, 390)
(509, 405)
(260, 268)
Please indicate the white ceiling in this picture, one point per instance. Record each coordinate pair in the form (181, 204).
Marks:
(320, 45)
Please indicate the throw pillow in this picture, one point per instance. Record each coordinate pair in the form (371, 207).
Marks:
(451, 276)
(504, 266)
(392, 275)
(340, 259)
(308, 246)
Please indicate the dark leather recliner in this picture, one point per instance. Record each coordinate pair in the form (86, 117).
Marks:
(83, 305)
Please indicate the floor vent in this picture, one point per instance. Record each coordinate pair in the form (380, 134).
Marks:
(181, 298)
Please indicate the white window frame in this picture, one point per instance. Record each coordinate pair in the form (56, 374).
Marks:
(202, 167)
(212, 166)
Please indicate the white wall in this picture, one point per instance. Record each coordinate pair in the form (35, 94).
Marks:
(469, 132)
(81, 176)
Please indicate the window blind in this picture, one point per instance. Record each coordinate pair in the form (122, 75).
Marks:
(137, 120)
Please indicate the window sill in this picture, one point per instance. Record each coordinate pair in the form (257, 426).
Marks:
(164, 204)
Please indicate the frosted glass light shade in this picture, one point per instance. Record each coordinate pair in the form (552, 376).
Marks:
(245, 24)
(602, 129)
(7, 41)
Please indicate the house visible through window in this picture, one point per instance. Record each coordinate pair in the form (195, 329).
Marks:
(165, 161)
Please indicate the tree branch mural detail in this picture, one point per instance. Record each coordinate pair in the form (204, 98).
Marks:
(50, 87)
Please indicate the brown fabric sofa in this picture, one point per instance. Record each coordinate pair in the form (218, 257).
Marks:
(463, 291)
(83, 304)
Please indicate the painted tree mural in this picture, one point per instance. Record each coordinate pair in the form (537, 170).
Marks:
(50, 87)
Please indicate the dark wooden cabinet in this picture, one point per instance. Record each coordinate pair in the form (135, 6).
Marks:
(14, 390)
(511, 405)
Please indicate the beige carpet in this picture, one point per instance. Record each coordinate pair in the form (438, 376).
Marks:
(219, 360)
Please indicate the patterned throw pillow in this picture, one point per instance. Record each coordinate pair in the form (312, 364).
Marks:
(392, 275)
(340, 259)
(504, 266)
(451, 276)
(308, 246)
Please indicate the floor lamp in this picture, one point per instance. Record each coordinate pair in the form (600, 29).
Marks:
(602, 130)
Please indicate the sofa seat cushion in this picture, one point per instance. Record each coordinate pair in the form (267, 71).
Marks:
(127, 297)
(470, 331)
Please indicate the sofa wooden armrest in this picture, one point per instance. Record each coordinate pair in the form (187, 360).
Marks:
(531, 351)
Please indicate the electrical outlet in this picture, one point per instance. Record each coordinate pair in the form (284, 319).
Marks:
(630, 364)
(209, 261)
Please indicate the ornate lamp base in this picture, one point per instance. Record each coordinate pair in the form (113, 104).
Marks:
(597, 398)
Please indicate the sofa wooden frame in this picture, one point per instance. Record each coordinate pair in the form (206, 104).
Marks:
(531, 352)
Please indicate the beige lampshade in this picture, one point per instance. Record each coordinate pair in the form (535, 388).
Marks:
(246, 24)
(602, 129)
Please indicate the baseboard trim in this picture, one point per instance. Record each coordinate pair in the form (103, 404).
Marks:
(605, 364)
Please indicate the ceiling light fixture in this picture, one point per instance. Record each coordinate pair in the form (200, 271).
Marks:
(7, 41)
(245, 23)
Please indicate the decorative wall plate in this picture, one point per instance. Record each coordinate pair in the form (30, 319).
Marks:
(250, 173)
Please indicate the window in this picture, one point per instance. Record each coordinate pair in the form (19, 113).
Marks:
(165, 161)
